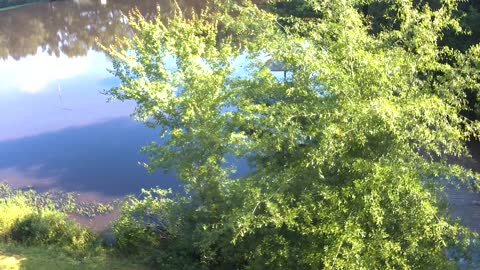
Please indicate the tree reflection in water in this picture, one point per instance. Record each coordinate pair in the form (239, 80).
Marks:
(72, 28)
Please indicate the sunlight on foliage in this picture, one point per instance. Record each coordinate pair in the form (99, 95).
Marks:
(10, 262)
(348, 153)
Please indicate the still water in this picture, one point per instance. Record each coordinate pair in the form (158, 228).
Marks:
(56, 130)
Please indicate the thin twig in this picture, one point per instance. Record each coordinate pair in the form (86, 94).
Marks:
(340, 246)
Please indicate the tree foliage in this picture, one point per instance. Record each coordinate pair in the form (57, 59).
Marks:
(349, 151)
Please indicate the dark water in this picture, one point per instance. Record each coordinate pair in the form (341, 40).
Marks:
(56, 129)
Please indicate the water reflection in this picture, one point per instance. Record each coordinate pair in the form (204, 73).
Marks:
(56, 129)
(101, 158)
(34, 74)
(72, 28)
(32, 101)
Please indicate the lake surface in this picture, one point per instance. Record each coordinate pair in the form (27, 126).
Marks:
(56, 129)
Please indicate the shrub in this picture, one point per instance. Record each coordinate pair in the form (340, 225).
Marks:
(30, 218)
(162, 231)
(12, 209)
(52, 228)
(143, 223)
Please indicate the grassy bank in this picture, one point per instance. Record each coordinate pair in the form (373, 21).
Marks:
(36, 233)
(15, 256)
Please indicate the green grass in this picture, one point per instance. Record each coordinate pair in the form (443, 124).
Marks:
(36, 233)
(18, 257)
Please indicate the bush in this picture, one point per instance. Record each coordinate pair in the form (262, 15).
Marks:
(162, 231)
(13, 208)
(143, 223)
(52, 228)
(28, 218)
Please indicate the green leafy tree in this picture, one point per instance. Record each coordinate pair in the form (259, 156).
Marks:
(349, 150)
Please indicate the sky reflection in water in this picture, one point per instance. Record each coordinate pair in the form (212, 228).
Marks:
(57, 131)
(60, 93)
